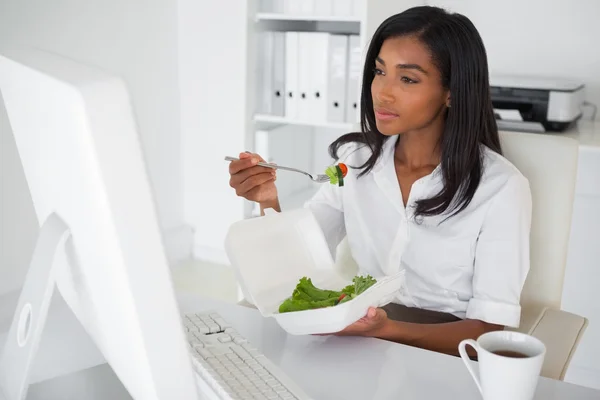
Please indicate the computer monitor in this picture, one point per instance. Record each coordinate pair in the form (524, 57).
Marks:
(80, 150)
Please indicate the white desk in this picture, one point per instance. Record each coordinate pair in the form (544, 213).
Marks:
(327, 368)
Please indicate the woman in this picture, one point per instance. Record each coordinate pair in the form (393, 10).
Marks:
(429, 192)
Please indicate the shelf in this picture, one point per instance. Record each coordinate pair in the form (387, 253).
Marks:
(267, 121)
(309, 18)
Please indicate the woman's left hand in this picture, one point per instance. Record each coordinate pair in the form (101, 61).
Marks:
(370, 325)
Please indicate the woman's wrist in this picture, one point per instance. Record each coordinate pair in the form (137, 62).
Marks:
(388, 330)
(274, 204)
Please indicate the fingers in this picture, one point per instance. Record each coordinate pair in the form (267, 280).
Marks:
(246, 160)
(253, 182)
(242, 164)
(243, 176)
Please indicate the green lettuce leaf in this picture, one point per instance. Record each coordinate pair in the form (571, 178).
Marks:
(306, 296)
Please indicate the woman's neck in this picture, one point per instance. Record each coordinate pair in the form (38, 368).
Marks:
(421, 148)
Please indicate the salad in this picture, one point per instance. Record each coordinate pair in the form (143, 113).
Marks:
(337, 173)
(307, 296)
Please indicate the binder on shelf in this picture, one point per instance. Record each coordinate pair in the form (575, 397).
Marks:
(266, 6)
(261, 144)
(278, 78)
(354, 75)
(291, 75)
(319, 48)
(307, 7)
(337, 72)
(323, 7)
(305, 78)
(264, 71)
(358, 7)
(342, 8)
(291, 7)
(270, 73)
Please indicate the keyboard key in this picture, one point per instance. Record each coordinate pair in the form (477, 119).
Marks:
(272, 382)
(222, 323)
(225, 339)
(244, 355)
(252, 363)
(220, 351)
(204, 353)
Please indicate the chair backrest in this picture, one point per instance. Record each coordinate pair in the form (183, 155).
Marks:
(549, 162)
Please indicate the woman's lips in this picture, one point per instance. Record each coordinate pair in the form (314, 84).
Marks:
(385, 115)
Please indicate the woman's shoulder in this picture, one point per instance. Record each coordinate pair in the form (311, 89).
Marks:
(354, 153)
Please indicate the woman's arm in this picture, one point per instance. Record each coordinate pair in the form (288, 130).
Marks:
(443, 338)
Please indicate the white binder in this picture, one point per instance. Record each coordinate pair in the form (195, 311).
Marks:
(264, 84)
(319, 76)
(354, 78)
(307, 6)
(291, 7)
(358, 7)
(278, 78)
(323, 7)
(305, 76)
(291, 75)
(266, 6)
(337, 72)
(342, 8)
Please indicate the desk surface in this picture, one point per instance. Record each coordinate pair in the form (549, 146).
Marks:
(326, 367)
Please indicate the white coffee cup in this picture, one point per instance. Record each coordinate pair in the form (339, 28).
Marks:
(502, 377)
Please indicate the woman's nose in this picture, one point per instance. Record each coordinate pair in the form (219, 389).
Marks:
(384, 95)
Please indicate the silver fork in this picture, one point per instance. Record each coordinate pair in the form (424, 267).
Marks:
(319, 178)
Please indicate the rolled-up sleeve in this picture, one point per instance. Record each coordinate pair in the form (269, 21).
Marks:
(502, 256)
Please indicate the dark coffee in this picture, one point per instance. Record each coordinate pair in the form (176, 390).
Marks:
(510, 354)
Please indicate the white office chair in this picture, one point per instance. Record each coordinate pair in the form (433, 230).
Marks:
(550, 164)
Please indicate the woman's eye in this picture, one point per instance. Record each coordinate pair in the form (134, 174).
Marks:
(406, 79)
(377, 71)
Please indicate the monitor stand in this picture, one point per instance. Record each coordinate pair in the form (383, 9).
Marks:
(28, 322)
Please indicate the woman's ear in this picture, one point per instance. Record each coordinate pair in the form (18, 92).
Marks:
(448, 100)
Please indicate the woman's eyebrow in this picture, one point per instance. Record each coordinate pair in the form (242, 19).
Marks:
(404, 66)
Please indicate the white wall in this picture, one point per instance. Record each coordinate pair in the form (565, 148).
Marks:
(539, 37)
(215, 109)
(134, 39)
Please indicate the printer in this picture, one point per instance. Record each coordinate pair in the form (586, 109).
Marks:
(536, 104)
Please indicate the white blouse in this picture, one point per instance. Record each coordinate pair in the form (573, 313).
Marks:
(473, 265)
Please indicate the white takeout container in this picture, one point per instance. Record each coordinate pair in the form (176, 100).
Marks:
(270, 254)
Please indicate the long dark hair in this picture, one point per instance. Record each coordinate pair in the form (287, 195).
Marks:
(458, 52)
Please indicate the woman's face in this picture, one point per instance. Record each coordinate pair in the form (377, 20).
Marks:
(407, 87)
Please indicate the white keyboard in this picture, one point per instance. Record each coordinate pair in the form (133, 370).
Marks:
(231, 366)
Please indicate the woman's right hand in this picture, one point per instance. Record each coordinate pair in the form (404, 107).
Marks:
(253, 182)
